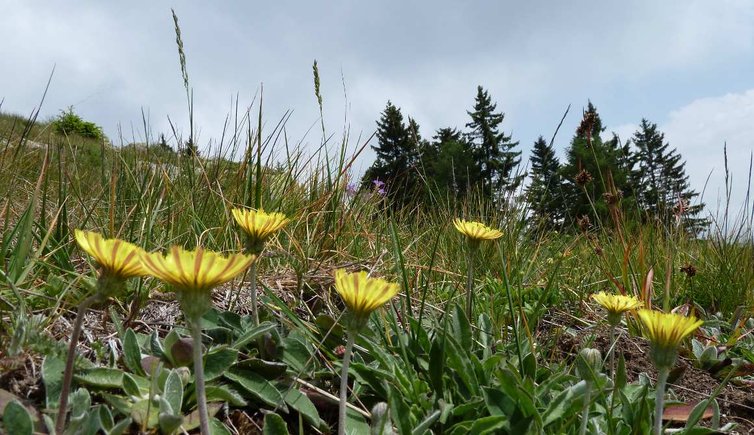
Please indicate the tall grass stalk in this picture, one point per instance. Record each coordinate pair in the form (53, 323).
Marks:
(512, 312)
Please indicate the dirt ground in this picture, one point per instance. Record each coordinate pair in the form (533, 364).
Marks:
(561, 332)
(690, 386)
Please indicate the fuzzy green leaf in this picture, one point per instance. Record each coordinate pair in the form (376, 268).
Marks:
(301, 403)
(173, 391)
(132, 352)
(253, 334)
(256, 386)
(17, 420)
(52, 376)
(218, 361)
(460, 328)
(223, 393)
(101, 377)
(274, 425)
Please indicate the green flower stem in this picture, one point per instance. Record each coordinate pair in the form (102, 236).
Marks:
(201, 397)
(662, 379)
(612, 352)
(344, 383)
(68, 373)
(470, 280)
(585, 409)
(254, 308)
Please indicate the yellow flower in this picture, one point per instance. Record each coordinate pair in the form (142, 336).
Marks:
(665, 331)
(616, 305)
(195, 271)
(363, 294)
(192, 274)
(117, 258)
(259, 225)
(476, 230)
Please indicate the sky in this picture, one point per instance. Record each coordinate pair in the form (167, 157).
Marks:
(687, 66)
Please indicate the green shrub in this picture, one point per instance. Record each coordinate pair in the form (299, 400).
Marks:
(68, 122)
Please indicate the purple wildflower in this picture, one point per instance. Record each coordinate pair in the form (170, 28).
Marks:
(351, 188)
(379, 185)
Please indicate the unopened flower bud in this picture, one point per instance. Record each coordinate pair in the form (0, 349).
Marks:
(185, 375)
(588, 363)
(182, 352)
(381, 423)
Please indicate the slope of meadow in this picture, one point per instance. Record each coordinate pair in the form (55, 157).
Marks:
(421, 364)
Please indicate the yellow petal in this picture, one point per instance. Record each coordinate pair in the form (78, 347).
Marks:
(363, 294)
(258, 224)
(116, 257)
(195, 271)
(476, 230)
(667, 330)
(617, 304)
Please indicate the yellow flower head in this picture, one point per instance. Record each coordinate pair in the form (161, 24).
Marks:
(616, 305)
(195, 271)
(363, 294)
(665, 331)
(476, 230)
(258, 225)
(117, 258)
(192, 274)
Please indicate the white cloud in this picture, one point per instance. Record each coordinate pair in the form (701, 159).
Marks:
(700, 130)
(632, 59)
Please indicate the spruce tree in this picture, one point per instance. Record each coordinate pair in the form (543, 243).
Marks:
(449, 164)
(397, 157)
(544, 192)
(594, 176)
(493, 150)
(662, 183)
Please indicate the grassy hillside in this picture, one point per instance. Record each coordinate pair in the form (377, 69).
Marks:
(507, 368)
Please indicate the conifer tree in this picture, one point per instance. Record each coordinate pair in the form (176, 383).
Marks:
(544, 192)
(661, 179)
(493, 150)
(414, 136)
(449, 164)
(397, 157)
(594, 176)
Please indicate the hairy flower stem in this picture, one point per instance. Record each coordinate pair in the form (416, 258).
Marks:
(68, 373)
(470, 282)
(254, 308)
(344, 383)
(585, 409)
(662, 379)
(613, 345)
(201, 397)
